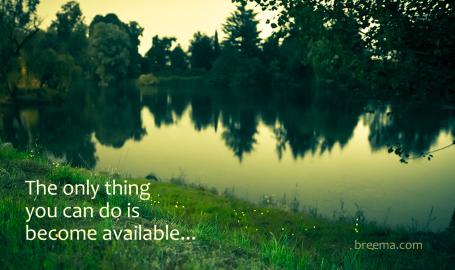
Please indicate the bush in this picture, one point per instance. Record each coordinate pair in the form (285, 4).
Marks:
(147, 79)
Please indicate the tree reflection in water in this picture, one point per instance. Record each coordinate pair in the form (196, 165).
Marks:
(303, 124)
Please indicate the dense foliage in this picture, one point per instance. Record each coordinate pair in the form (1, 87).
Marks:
(373, 48)
(110, 48)
(202, 51)
(158, 57)
(387, 47)
(18, 25)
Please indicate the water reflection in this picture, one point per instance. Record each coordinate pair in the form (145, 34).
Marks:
(413, 126)
(118, 116)
(304, 126)
(333, 148)
(65, 131)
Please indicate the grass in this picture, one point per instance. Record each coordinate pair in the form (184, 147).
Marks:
(230, 233)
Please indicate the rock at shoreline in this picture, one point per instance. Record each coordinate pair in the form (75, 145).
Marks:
(152, 177)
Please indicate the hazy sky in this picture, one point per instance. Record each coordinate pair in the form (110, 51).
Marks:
(179, 18)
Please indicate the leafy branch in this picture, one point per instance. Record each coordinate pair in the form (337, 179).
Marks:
(405, 156)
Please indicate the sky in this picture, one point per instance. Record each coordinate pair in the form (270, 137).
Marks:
(178, 18)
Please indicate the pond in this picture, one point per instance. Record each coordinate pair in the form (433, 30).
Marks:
(326, 155)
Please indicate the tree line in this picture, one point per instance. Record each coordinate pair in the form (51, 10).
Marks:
(380, 48)
(383, 48)
(106, 49)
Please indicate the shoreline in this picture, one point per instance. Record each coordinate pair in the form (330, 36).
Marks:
(222, 224)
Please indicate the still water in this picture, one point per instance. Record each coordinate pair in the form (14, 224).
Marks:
(324, 153)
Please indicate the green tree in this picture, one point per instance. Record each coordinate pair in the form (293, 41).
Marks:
(158, 57)
(54, 57)
(47, 65)
(69, 20)
(239, 64)
(110, 49)
(413, 41)
(134, 32)
(242, 33)
(398, 47)
(201, 51)
(270, 49)
(67, 34)
(108, 18)
(178, 59)
(216, 46)
(18, 24)
(55, 70)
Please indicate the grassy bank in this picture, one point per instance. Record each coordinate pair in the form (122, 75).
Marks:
(230, 233)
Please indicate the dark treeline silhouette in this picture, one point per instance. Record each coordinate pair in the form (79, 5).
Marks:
(165, 55)
(373, 48)
(380, 48)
